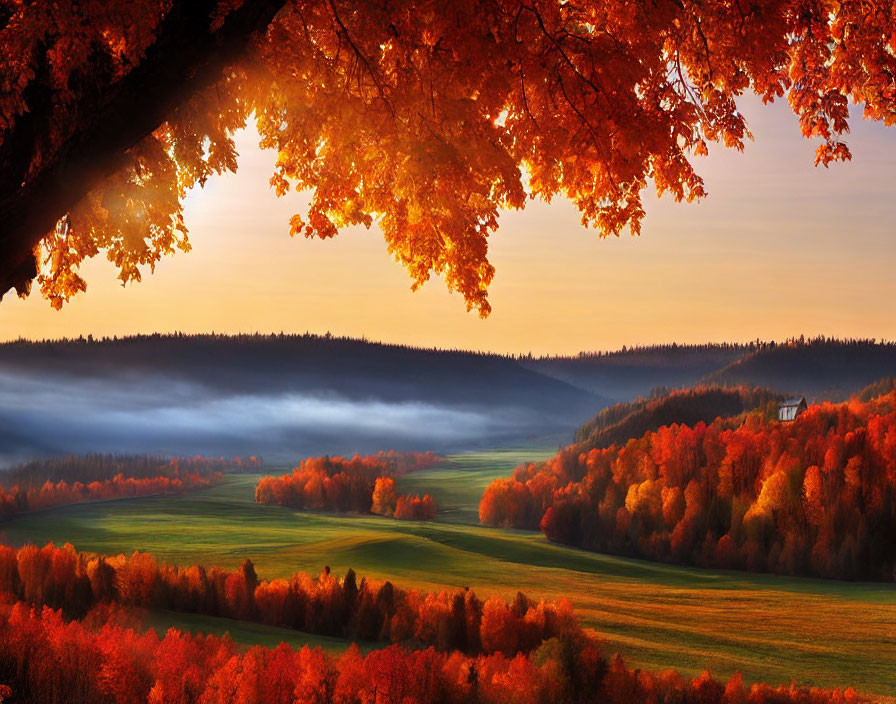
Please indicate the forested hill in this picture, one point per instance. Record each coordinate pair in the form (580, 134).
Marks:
(625, 374)
(283, 396)
(821, 369)
(813, 496)
(278, 396)
(617, 424)
(348, 367)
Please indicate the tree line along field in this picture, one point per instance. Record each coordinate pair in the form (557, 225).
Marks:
(770, 628)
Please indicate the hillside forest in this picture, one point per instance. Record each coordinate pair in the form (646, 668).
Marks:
(815, 496)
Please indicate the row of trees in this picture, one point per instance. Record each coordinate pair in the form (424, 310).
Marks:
(104, 661)
(18, 500)
(285, 342)
(816, 496)
(386, 502)
(288, 342)
(665, 350)
(62, 578)
(360, 484)
(101, 660)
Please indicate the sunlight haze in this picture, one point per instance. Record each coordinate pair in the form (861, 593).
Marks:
(778, 248)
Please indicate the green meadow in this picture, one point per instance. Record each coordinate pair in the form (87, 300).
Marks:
(771, 628)
(243, 632)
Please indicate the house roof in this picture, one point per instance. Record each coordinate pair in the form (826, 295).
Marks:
(793, 402)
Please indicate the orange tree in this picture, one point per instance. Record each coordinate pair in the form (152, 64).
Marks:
(425, 117)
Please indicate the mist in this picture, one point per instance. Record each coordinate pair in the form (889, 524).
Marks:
(281, 397)
(59, 413)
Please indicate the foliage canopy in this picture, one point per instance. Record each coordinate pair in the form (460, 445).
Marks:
(424, 117)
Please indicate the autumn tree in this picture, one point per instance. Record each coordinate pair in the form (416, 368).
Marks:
(423, 117)
(383, 496)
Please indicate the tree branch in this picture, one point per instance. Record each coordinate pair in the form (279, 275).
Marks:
(111, 117)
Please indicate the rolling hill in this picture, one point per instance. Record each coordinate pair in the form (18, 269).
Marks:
(631, 372)
(621, 422)
(279, 396)
(820, 369)
(285, 396)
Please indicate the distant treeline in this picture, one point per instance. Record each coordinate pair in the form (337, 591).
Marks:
(359, 484)
(818, 368)
(309, 364)
(62, 578)
(238, 339)
(77, 478)
(273, 339)
(661, 349)
(671, 349)
(815, 496)
(16, 500)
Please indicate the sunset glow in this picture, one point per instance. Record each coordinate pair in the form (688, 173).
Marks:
(415, 352)
(790, 247)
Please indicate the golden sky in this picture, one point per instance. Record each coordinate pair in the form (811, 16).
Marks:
(779, 248)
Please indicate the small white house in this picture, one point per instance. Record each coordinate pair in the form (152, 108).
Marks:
(790, 409)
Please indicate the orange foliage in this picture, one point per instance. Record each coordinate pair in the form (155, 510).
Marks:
(361, 484)
(427, 117)
(43, 658)
(816, 496)
(63, 578)
(413, 508)
(383, 497)
(174, 477)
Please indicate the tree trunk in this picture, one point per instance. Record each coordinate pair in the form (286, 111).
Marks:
(110, 118)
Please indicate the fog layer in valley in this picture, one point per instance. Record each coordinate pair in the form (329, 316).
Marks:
(286, 397)
(83, 398)
(59, 414)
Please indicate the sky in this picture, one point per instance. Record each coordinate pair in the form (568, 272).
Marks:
(779, 248)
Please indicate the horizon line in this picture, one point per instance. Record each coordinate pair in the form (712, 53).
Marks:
(754, 344)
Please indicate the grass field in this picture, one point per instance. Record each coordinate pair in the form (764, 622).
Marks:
(242, 632)
(770, 628)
